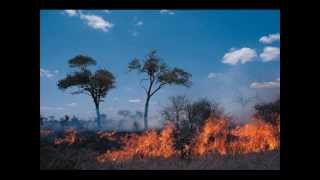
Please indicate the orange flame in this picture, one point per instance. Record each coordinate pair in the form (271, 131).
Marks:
(70, 137)
(212, 137)
(256, 136)
(149, 144)
(107, 135)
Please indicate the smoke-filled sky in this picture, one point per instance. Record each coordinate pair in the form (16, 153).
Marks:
(229, 53)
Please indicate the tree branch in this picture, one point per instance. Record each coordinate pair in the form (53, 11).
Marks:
(150, 85)
(157, 89)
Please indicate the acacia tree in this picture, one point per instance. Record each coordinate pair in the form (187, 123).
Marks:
(156, 76)
(95, 84)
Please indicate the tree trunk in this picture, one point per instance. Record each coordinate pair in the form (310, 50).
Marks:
(146, 107)
(98, 116)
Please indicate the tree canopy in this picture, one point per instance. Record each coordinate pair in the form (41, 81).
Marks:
(81, 61)
(158, 72)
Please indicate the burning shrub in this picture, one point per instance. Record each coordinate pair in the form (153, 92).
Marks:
(188, 117)
(212, 137)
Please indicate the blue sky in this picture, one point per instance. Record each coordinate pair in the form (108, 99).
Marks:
(228, 52)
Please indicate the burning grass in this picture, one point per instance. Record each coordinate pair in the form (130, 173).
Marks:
(149, 144)
(215, 146)
(70, 137)
(256, 136)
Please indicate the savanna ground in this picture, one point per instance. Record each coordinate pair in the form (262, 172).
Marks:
(82, 156)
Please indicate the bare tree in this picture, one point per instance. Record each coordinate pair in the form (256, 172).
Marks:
(176, 109)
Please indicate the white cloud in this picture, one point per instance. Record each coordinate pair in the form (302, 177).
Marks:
(270, 53)
(56, 71)
(135, 100)
(270, 38)
(48, 108)
(107, 11)
(139, 23)
(71, 12)
(46, 73)
(97, 22)
(73, 104)
(243, 55)
(212, 75)
(166, 11)
(271, 84)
